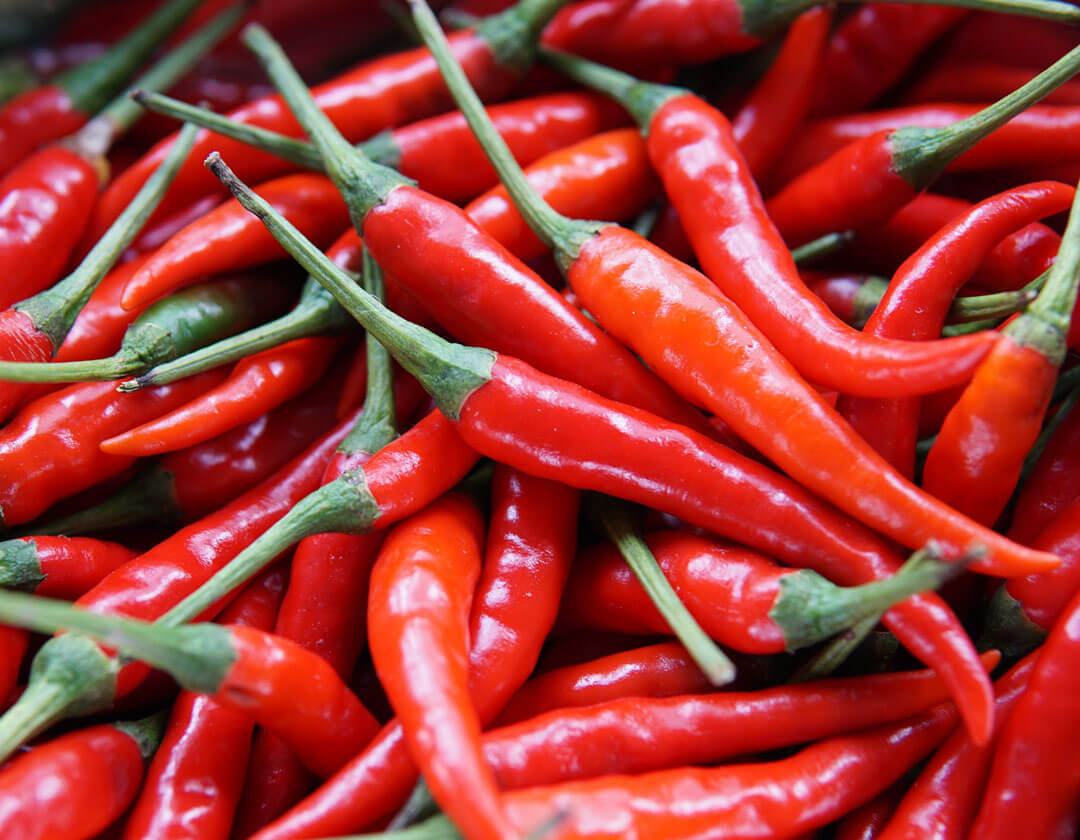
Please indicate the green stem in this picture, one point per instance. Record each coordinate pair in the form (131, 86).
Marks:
(835, 653)
(810, 608)
(344, 505)
(146, 733)
(1008, 629)
(1036, 451)
(815, 249)
(16, 76)
(419, 806)
(919, 155)
(513, 34)
(198, 656)
(70, 675)
(55, 310)
(990, 307)
(91, 85)
(1066, 382)
(646, 221)
(19, 565)
(705, 652)
(317, 313)
(449, 372)
(867, 298)
(91, 370)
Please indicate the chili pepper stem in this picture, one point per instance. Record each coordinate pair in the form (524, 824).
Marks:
(706, 653)
(448, 371)
(19, 565)
(377, 425)
(984, 307)
(867, 298)
(419, 806)
(55, 310)
(92, 370)
(343, 505)
(146, 732)
(1008, 629)
(198, 655)
(835, 653)
(810, 608)
(815, 249)
(70, 675)
(920, 154)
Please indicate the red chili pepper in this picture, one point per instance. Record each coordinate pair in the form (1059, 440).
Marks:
(850, 297)
(279, 684)
(378, 94)
(49, 113)
(1052, 485)
(228, 239)
(74, 786)
(1033, 784)
(193, 784)
(872, 48)
(256, 385)
(866, 821)
(942, 801)
(530, 545)
(694, 152)
(767, 120)
(58, 567)
(918, 298)
(1019, 42)
(976, 460)
(980, 81)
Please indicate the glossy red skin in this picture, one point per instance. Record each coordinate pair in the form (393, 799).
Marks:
(160, 578)
(697, 339)
(941, 803)
(729, 590)
(50, 449)
(838, 291)
(650, 32)
(71, 787)
(529, 549)
(378, 94)
(660, 670)
(976, 460)
(34, 118)
(638, 734)
(1041, 133)
(418, 615)
(873, 48)
(72, 565)
(20, 341)
(606, 176)
(692, 148)
(767, 120)
(193, 783)
(45, 204)
(592, 443)
(478, 290)
(916, 305)
(1034, 779)
(1052, 486)
(866, 821)
(531, 127)
(1044, 597)
(229, 238)
(775, 799)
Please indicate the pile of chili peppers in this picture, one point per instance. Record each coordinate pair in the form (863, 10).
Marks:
(679, 440)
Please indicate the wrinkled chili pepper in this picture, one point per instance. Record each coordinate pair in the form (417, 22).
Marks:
(58, 567)
(256, 385)
(193, 784)
(61, 107)
(693, 150)
(376, 95)
(74, 786)
(629, 434)
(279, 684)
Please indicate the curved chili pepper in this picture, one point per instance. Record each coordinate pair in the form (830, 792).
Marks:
(976, 460)
(189, 484)
(149, 586)
(532, 127)
(279, 684)
(74, 786)
(50, 449)
(35, 329)
(869, 179)
(692, 465)
(943, 800)
(872, 48)
(1033, 782)
(529, 549)
(629, 285)
(255, 386)
(767, 120)
(193, 784)
(190, 318)
(228, 239)
(378, 94)
(58, 567)
(693, 150)
(918, 298)
(660, 670)
(54, 111)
